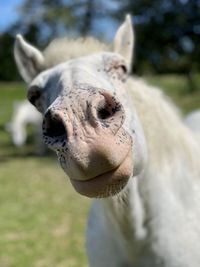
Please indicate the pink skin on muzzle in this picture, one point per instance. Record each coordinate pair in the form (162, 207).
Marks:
(93, 148)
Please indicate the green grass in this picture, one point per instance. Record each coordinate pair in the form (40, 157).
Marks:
(42, 219)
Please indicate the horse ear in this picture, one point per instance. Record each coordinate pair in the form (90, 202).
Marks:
(29, 60)
(124, 40)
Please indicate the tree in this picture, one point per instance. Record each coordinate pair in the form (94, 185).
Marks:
(167, 31)
(7, 68)
(43, 20)
(168, 34)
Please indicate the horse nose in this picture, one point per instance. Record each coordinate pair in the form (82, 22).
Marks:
(101, 111)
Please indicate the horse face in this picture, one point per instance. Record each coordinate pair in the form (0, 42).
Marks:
(88, 119)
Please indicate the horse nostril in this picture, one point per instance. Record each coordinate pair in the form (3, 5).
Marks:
(107, 108)
(103, 113)
(53, 126)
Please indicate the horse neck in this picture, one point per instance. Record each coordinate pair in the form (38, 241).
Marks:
(125, 211)
(167, 137)
(170, 145)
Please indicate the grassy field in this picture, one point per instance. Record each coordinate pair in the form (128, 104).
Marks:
(42, 219)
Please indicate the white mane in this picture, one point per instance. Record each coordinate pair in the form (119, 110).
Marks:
(63, 49)
(192, 120)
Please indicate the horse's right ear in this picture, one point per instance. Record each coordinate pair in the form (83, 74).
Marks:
(29, 60)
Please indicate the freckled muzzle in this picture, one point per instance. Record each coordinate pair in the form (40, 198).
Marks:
(86, 131)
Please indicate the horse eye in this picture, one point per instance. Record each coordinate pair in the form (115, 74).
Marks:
(121, 71)
(123, 68)
(34, 94)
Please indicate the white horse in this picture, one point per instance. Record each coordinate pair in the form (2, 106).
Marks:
(122, 142)
(192, 120)
(25, 114)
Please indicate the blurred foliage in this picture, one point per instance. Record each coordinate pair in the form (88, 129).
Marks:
(8, 70)
(167, 31)
(168, 34)
(42, 20)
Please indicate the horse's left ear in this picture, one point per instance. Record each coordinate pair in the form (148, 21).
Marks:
(124, 40)
(29, 60)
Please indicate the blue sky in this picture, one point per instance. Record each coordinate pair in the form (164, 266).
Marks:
(8, 13)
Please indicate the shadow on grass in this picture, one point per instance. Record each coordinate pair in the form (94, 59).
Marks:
(22, 153)
(8, 151)
(2, 128)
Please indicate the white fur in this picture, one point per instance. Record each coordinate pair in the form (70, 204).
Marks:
(33, 60)
(192, 120)
(124, 41)
(154, 221)
(69, 49)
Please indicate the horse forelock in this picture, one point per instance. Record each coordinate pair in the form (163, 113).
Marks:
(63, 49)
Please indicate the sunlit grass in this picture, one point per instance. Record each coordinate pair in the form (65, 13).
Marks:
(42, 220)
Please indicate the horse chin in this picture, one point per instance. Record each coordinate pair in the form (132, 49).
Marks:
(107, 184)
